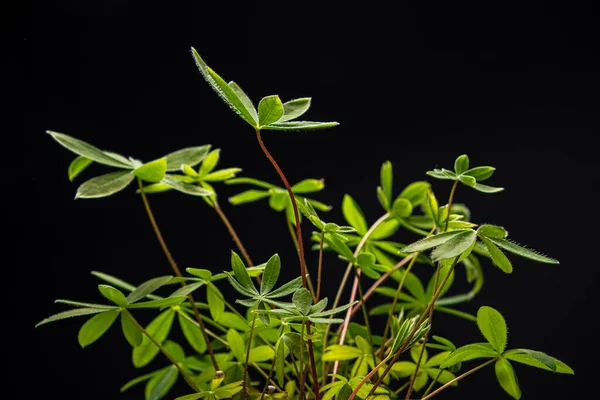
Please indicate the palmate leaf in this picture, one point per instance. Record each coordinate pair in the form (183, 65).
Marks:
(245, 100)
(191, 156)
(480, 173)
(433, 241)
(152, 171)
(88, 151)
(104, 185)
(114, 295)
(183, 187)
(161, 383)
(455, 246)
(192, 333)
(270, 110)
(302, 299)
(241, 275)
(498, 258)
(461, 164)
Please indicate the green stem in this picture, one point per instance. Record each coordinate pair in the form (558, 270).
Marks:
(401, 388)
(244, 394)
(416, 372)
(365, 312)
(189, 380)
(458, 378)
(320, 268)
(432, 384)
(297, 246)
(177, 271)
(450, 199)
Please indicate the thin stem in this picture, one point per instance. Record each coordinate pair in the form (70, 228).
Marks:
(189, 380)
(233, 234)
(450, 199)
(313, 366)
(244, 394)
(432, 384)
(416, 372)
(401, 388)
(365, 314)
(177, 271)
(311, 288)
(320, 269)
(302, 375)
(294, 206)
(458, 378)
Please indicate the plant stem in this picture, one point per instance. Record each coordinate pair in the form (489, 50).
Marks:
(458, 378)
(450, 199)
(233, 234)
(303, 269)
(401, 388)
(432, 384)
(302, 375)
(297, 246)
(418, 364)
(313, 366)
(244, 394)
(177, 271)
(189, 380)
(320, 268)
(365, 314)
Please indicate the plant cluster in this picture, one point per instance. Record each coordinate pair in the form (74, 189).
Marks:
(284, 340)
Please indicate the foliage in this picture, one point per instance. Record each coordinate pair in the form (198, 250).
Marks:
(283, 340)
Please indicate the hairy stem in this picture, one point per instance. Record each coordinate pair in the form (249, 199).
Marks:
(188, 379)
(177, 271)
(458, 378)
(244, 394)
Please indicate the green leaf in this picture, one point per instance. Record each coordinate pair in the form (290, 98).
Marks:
(299, 126)
(522, 251)
(461, 164)
(497, 256)
(159, 329)
(416, 192)
(538, 359)
(480, 173)
(302, 300)
(402, 208)
(216, 305)
(137, 380)
(96, 326)
(155, 188)
(248, 196)
(261, 354)
(160, 303)
(186, 188)
(147, 288)
(70, 313)
(77, 166)
(469, 352)
(246, 102)
(308, 186)
(191, 156)
(433, 241)
(280, 362)
(241, 274)
(187, 289)
(210, 162)
(340, 352)
(387, 178)
(160, 384)
(152, 171)
(354, 215)
(493, 327)
(278, 201)
(487, 189)
(270, 275)
(295, 108)
(467, 180)
(382, 199)
(221, 175)
(492, 231)
(385, 230)
(114, 295)
(189, 171)
(456, 246)
(82, 304)
(104, 185)
(250, 181)
(236, 344)
(132, 333)
(88, 151)
(287, 288)
(437, 359)
(231, 320)
(507, 378)
(270, 110)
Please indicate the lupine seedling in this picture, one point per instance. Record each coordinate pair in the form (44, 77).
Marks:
(283, 342)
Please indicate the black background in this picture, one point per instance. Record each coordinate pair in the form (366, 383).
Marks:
(513, 87)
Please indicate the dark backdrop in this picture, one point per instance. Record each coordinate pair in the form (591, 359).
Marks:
(515, 88)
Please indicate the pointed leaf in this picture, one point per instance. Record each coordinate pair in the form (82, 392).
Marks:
(522, 251)
(538, 359)
(493, 327)
(240, 272)
(295, 108)
(354, 215)
(416, 192)
(246, 102)
(86, 150)
(497, 256)
(340, 352)
(114, 295)
(467, 180)
(236, 344)
(221, 175)
(248, 196)
(70, 313)
(270, 110)
(191, 156)
(159, 329)
(469, 352)
(96, 326)
(455, 246)
(299, 126)
(131, 332)
(152, 171)
(77, 166)
(507, 378)
(216, 305)
(160, 384)
(234, 321)
(183, 187)
(386, 176)
(302, 299)
(487, 189)
(433, 241)
(270, 275)
(308, 186)
(104, 185)
(160, 303)
(147, 288)
(287, 288)
(480, 173)
(261, 354)
(209, 162)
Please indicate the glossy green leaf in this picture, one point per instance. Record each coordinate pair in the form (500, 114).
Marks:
(270, 110)
(114, 295)
(88, 151)
(148, 287)
(383, 199)
(261, 353)
(221, 175)
(236, 344)
(160, 384)
(432, 241)
(209, 162)
(248, 196)
(299, 126)
(461, 164)
(278, 201)
(187, 289)
(160, 303)
(104, 185)
(280, 362)
(493, 327)
(416, 192)
(538, 359)
(467, 180)
(402, 208)
(152, 171)
(469, 352)
(71, 313)
(239, 269)
(354, 215)
(456, 246)
(159, 329)
(308, 186)
(132, 333)
(295, 108)
(498, 258)
(270, 275)
(287, 288)
(340, 352)
(385, 230)
(216, 305)
(507, 378)
(77, 166)
(191, 156)
(245, 100)
(522, 251)
(302, 299)
(189, 171)
(183, 187)
(234, 321)
(487, 189)
(387, 178)
(480, 173)
(492, 231)
(438, 174)
(96, 326)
